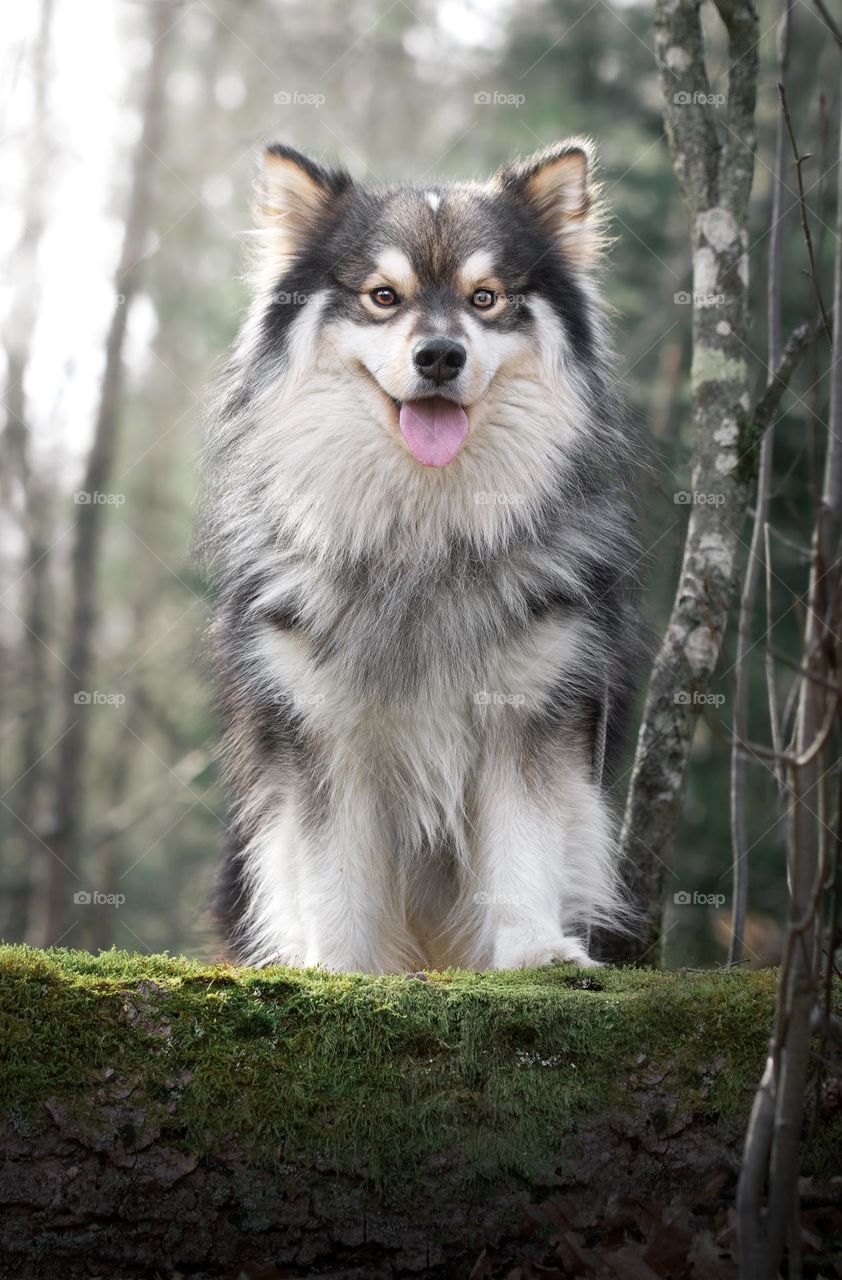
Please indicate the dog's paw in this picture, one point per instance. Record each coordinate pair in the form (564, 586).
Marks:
(533, 953)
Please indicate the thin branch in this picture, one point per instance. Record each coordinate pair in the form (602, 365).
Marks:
(805, 671)
(794, 760)
(829, 21)
(802, 205)
(759, 540)
(771, 683)
(797, 343)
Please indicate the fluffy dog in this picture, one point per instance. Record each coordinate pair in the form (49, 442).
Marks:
(417, 520)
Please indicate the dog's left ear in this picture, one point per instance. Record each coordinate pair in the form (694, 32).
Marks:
(555, 185)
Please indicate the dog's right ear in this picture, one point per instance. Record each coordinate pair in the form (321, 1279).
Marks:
(556, 187)
(294, 200)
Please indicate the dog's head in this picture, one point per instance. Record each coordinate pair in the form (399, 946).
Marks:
(433, 296)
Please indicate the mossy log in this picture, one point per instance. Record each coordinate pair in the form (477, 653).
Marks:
(161, 1117)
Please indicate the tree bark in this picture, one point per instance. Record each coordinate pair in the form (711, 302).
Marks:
(72, 1212)
(715, 174)
(206, 1120)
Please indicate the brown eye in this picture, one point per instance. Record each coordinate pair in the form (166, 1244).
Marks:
(384, 297)
(484, 298)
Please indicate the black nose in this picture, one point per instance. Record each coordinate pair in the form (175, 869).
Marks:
(439, 359)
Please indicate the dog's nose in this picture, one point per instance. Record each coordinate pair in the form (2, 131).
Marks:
(439, 359)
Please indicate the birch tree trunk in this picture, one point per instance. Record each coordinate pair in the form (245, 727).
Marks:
(79, 655)
(715, 173)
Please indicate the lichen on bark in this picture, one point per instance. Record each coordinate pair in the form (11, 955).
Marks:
(713, 160)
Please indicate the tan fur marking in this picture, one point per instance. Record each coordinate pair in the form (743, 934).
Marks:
(288, 203)
(393, 269)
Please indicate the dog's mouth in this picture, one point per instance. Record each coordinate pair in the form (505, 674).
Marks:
(434, 429)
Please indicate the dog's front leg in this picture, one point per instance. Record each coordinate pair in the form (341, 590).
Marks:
(541, 864)
(352, 895)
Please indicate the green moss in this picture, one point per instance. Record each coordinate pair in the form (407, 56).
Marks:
(749, 440)
(381, 1076)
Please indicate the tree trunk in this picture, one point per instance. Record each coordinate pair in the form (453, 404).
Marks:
(23, 790)
(164, 1118)
(715, 175)
(79, 656)
(781, 204)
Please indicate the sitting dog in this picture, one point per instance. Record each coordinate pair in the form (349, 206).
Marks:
(417, 519)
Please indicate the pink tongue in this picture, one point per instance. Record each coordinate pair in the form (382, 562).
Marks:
(434, 429)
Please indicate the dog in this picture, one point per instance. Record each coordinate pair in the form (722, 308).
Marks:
(418, 526)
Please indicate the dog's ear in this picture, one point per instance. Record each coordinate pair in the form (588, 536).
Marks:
(556, 186)
(295, 199)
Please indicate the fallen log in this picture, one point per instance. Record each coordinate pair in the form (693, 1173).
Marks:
(165, 1118)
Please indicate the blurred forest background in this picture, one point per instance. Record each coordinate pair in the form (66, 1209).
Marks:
(130, 134)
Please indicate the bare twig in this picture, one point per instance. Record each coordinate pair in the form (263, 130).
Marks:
(802, 205)
(771, 683)
(762, 1237)
(829, 21)
(798, 665)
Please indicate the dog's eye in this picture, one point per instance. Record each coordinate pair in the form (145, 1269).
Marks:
(483, 299)
(384, 296)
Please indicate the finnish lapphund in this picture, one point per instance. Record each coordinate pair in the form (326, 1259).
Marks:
(418, 521)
